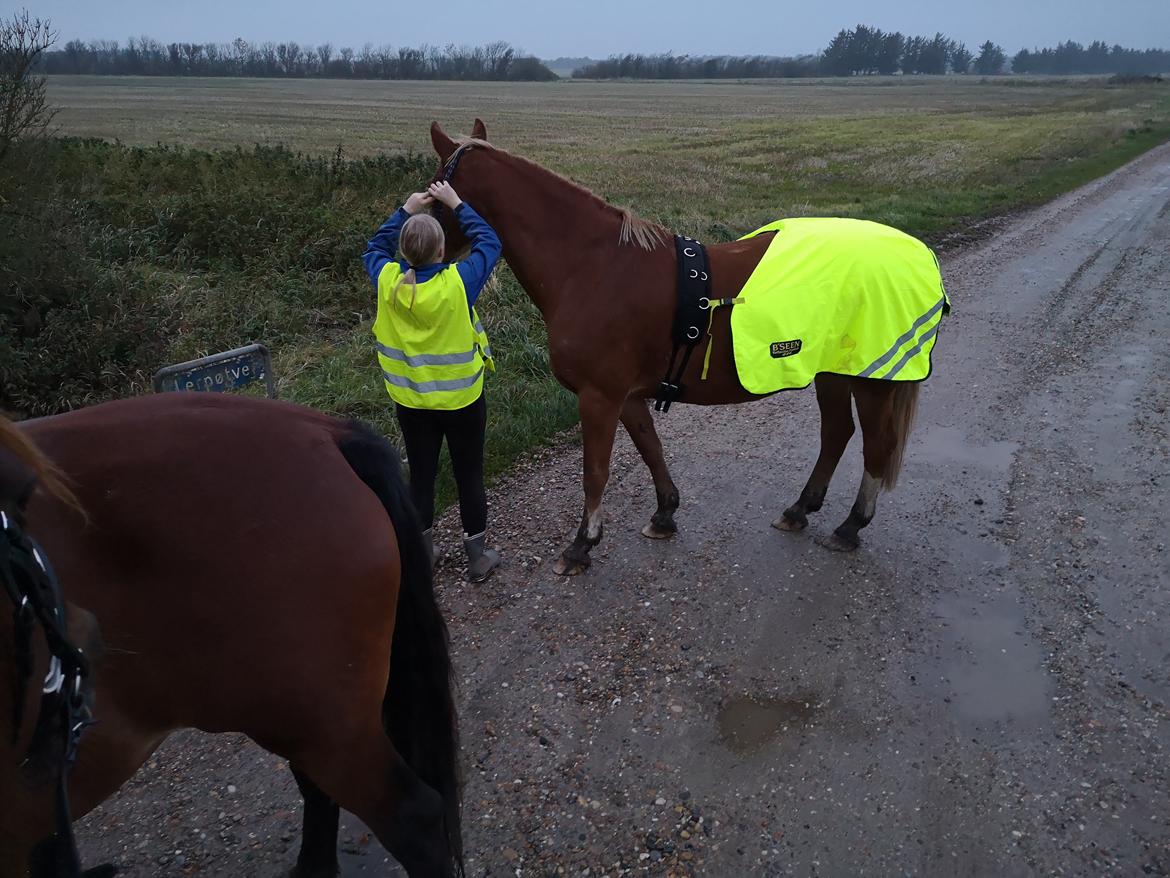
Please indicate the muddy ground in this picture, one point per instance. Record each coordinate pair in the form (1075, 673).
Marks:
(982, 689)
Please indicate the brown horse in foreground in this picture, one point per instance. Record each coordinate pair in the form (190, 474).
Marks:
(605, 283)
(254, 567)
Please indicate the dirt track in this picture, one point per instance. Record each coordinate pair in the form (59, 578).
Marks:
(982, 689)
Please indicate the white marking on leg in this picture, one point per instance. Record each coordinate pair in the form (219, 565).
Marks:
(867, 495)
(593, 525)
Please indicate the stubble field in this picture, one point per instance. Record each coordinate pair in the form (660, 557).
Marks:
(923, 153)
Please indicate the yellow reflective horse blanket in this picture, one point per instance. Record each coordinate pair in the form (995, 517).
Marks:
(837, 295)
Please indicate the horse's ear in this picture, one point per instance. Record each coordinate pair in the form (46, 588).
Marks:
(443, 144)
(479, 130)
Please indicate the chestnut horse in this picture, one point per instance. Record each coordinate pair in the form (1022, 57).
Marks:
(254, 567)
(605, 283)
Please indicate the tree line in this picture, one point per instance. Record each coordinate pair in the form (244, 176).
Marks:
(870, 51)
(671, 66)
(144, 56)
(859, 51)
(1097, 57)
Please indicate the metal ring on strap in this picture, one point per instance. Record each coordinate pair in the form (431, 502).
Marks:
(693, 332)
(688, 251)
(704, 302)
(694, 272)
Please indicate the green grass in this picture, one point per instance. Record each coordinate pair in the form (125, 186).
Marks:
(122, 258)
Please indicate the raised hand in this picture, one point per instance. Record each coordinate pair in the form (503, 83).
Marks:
(418, 201)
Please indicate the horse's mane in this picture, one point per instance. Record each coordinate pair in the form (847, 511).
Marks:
(635, 229)
(48, 475)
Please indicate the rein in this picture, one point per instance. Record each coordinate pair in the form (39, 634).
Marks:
(36, 598)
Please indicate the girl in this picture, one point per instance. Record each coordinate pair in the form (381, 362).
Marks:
(433, 352)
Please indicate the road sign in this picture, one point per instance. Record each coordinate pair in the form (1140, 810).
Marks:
(230, 370)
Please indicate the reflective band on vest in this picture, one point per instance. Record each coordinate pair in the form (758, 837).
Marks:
(434, 386)
(428, 359)
(846, 296)
(432, 353)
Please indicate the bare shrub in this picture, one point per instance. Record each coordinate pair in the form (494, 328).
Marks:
(24, 110)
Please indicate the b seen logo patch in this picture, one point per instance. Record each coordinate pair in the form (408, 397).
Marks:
(781, 349)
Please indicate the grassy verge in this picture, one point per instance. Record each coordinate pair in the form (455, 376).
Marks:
(118, 260)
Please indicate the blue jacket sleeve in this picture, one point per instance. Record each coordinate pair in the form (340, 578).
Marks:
(382, 247)
(485, 251)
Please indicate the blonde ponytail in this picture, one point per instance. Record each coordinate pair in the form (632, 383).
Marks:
(409, 278)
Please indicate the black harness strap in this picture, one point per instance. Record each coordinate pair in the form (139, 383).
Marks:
(690, 315)
(36, 597)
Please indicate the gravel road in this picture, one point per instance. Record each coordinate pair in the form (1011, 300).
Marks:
(982, 689)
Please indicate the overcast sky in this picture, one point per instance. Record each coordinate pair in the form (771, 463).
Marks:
(598, 28)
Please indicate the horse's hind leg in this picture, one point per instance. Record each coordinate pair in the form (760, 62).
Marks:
(364, 774)
(836, 431)
(318, 856)
(875, 411)
(640, 425)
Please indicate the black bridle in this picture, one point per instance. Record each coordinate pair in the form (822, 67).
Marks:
(64, 712)
(448, 172)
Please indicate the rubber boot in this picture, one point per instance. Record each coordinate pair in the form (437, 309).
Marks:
(429, 542)
(480, 561)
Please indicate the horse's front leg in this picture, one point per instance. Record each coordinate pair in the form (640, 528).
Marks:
(639, 424)
(599, 417)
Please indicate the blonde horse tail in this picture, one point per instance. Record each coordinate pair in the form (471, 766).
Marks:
(48, 476)
(905, 406)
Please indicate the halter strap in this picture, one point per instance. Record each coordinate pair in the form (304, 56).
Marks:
(453, 161)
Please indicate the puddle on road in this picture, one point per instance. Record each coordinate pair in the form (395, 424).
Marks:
(992, 670)
(749, 722)
(998, 675)
(950, 445)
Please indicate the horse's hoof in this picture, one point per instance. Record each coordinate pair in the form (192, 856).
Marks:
(835, 543)
(564, 567)
(789, 525)
(653, 532)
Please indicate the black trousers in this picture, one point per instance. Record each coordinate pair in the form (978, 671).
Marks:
(423, 431)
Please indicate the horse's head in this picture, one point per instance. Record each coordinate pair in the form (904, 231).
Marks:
(452, 153)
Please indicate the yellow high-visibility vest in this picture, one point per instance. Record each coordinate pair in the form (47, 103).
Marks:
(847, 296)
(432, 353)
